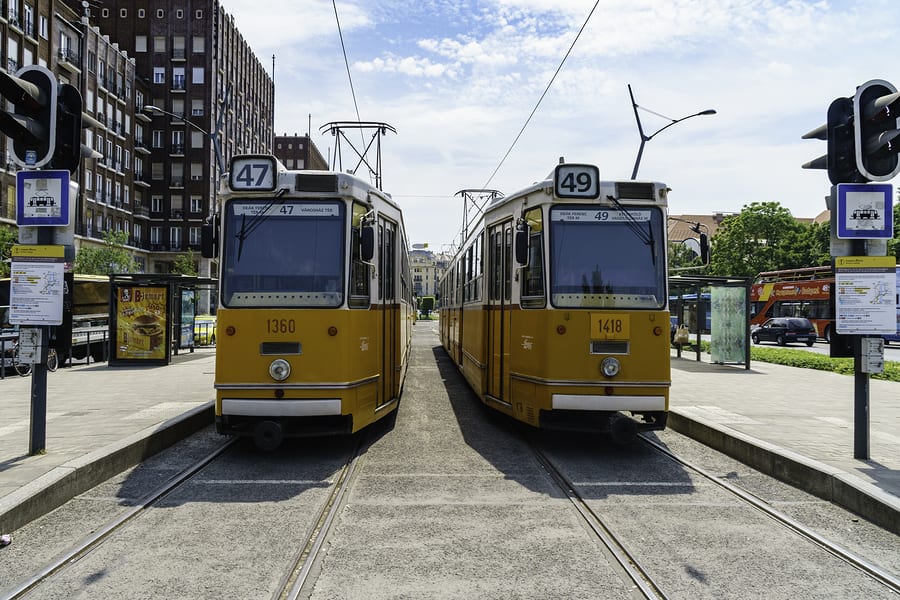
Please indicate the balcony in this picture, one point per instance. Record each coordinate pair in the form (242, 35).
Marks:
(177, 182)
(69, 59)
(177, 149)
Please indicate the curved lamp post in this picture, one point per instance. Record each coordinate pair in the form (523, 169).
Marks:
(213, 136)
(646, 138)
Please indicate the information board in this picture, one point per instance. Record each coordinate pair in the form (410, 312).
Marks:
(865, 294)
(37, 285)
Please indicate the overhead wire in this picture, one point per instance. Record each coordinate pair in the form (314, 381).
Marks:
(347, 66)
(536, 106)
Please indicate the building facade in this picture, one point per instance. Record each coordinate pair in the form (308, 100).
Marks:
(299, 152)
(155, 178)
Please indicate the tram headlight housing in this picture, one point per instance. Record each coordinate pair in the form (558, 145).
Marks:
(280, 369)
(610, 366)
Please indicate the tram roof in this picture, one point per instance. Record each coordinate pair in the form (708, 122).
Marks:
(620, 190)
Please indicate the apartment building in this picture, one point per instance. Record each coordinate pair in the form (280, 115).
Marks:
(299, 152)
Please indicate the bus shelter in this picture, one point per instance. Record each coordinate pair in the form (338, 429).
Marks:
(152, 316)
(715, 306)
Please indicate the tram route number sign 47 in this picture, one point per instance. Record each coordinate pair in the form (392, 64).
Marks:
(252, 173)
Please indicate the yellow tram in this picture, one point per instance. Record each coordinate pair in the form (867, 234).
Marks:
(555, 306)
(315, 308)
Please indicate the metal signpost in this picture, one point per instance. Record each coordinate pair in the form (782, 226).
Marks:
(863, 135)
(44, 126)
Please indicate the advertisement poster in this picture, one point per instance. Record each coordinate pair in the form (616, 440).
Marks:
(141, 322)
(728, 340)
(187, 319)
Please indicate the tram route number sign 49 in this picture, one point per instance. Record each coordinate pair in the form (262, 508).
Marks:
(576, 181)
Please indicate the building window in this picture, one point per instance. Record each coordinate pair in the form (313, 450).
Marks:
(160, 13)
(178, 78)
(159, 43)
(155, 234)
(104, 13)
(196, 204)
(156, 204)
(158, 138)
(140, 43)
(194, 236)
(123, 13)
(197, 107)
(179, 14)
(198, 74)
(141, 13)
(175, 238)
(159, 74)
(43, 28)
(198, 14)
(199, 44)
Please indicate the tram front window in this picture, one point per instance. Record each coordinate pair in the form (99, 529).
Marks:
(283, 253)
(606, 258)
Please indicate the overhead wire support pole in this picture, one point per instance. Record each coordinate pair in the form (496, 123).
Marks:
(646, 138)
(336, 128)
(472, 196)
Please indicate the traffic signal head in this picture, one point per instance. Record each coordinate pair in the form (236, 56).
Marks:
(876, 107)
(32, 122)
(67, 154)
(839, 132)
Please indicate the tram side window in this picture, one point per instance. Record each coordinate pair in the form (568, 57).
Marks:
(359, 270)
(533, 294)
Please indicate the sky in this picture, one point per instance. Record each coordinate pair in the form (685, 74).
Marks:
(458, 80)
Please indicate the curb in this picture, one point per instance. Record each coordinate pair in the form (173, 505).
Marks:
(811, 476)
(53, 489)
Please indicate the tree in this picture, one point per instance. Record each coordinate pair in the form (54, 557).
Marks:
(8, 237)
(765, 237)
(185, 264)
(681, 257)
(894, 244)
(111, 258)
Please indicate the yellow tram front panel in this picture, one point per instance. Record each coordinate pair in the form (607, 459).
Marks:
(556, 360)
(334, 358)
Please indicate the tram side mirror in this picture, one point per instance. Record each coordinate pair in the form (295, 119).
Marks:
(367, 243)
(521, 243)
(704, 248)
(208, 240)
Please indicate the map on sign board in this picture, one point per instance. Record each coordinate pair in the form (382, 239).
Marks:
(865, 294)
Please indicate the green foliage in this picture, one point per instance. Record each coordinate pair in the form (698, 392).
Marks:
(185, 264)
(9, 236)
(682, 257)
(426, 305)
(766, 237)
(109, 259)
(894, 244)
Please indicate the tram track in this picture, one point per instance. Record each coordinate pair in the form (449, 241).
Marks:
(880, 575)
(295, 581)
(616, 550)
(89, 543)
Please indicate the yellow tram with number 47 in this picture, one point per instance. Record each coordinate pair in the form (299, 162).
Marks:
(315, 307)
(555, 308)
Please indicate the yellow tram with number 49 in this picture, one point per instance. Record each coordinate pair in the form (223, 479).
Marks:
(315, 307)
(555, 308)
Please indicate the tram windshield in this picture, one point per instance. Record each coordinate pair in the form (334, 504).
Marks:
(607, 258)
(283, 253)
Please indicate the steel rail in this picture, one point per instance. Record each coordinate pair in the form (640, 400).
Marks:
(867, 567)
(93, 540)
(307, 556)
(641, 578)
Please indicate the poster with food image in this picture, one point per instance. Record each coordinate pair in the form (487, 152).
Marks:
(141, 323)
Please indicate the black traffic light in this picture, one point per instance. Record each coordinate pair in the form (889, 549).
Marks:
(876, 107)
(67, 154)
(840, 134)
(32, 122)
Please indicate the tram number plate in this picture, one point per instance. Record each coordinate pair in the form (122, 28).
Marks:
(609, 326)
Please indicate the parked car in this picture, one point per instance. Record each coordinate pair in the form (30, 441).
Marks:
(785, 330)
(205, 330)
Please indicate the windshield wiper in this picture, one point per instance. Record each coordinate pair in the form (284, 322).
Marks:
(255, 221)
(634, 225)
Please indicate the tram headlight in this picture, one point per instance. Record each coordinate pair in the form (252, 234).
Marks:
(280, 369)
(610, 366)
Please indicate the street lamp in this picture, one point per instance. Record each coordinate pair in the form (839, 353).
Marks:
(646, 138)
(213, 136)
(205, 263)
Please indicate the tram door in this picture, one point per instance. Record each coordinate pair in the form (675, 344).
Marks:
(387, 296)
(499, 297)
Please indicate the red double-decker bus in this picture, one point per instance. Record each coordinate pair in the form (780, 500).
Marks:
(794, 293)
